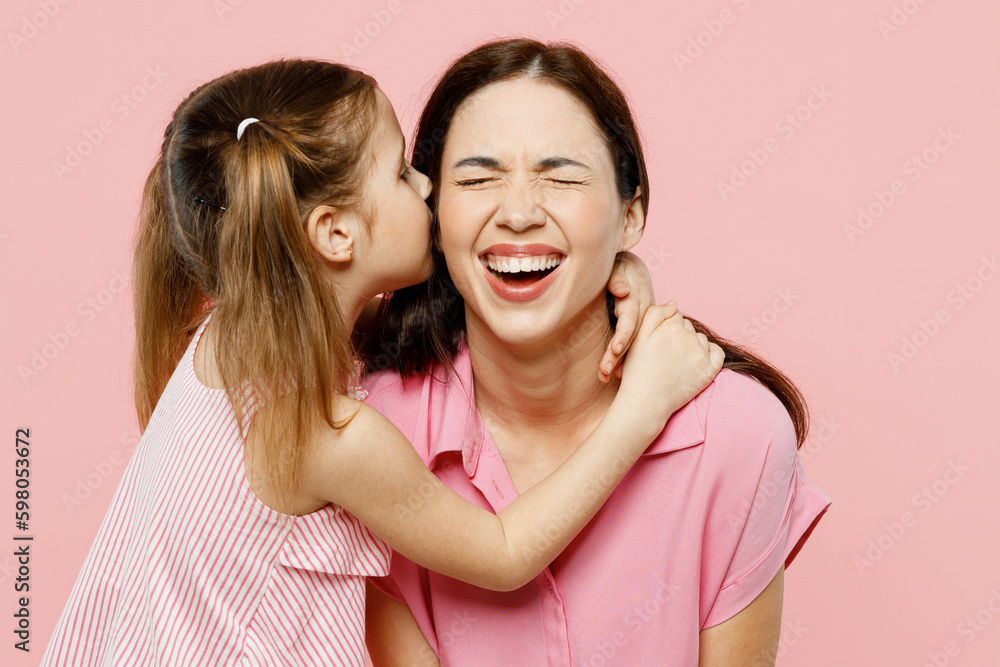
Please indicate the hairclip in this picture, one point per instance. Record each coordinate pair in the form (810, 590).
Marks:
(202, 201)
(243, 126)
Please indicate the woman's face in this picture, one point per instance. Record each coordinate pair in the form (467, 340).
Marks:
(530, 214)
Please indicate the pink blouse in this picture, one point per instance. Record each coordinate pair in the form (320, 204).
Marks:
(690, 537)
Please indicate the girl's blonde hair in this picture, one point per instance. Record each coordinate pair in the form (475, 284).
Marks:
(221, 227)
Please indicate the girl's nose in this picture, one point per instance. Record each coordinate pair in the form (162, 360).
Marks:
(425, 186)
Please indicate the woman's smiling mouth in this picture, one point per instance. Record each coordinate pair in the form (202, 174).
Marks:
(520, 273)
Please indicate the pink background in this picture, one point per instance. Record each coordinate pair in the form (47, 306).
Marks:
(770, 263)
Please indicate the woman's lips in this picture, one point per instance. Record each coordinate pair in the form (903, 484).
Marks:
(520, 272)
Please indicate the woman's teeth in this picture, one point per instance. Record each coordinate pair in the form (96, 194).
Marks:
(523, 264)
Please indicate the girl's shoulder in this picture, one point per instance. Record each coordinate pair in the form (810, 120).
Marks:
(359, 428)
(337, 456)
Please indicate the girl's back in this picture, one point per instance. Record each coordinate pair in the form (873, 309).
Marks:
(190, 567)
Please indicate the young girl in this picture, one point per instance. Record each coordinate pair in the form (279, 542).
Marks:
(281, 205)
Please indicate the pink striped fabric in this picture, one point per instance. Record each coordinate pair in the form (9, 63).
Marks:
(191, 568)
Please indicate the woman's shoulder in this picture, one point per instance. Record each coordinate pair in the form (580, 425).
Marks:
(395, 396)
(744, 422)
(389, 388)
(383, 381)
(741, 398)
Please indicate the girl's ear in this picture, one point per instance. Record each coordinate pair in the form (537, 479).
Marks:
(635, 222)
(331, 233)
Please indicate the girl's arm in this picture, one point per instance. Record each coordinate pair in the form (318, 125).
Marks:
(370, 469)
(632, 287)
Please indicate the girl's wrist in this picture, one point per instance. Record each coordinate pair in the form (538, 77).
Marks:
(634, 423)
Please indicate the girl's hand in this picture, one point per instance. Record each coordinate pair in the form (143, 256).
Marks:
(632, 287)
(668, 365)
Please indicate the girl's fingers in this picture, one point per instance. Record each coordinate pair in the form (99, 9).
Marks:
(608, 362)
(619, 288)
(627, 310)
(615, 352)
(618, 282)
(717, 354)
(625, 332)
(616, 348)
(602, 370)
(657, 315)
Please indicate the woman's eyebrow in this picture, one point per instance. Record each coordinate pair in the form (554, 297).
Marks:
(556, 162)
(478, 161)
(541, 165)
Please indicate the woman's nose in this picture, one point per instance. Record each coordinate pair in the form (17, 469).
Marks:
(519, 209)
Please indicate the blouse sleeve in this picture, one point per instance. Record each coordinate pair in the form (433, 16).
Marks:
(767, 507)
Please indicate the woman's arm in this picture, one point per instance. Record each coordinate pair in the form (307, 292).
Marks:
(392, 635)
(370, 469)
(748, 638)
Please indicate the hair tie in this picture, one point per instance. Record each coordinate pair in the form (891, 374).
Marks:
(243, 126)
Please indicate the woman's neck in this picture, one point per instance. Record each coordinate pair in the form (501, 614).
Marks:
(549, 387)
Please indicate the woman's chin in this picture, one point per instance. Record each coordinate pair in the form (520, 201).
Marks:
(536, 326)
(523, 331)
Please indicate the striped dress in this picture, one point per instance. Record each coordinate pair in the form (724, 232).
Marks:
(191, 568)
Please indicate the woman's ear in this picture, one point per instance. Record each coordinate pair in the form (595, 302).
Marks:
(331, 233)
(635, 222)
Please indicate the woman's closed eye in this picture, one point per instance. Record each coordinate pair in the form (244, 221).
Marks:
(476, 181)
(479, 181)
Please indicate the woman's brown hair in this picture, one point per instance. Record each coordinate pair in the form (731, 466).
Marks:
(221, 228)
(425, 323)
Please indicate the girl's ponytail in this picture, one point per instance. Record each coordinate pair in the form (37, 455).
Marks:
(168, 299)
(270, 276)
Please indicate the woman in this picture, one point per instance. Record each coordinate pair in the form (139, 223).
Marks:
(540, 185)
